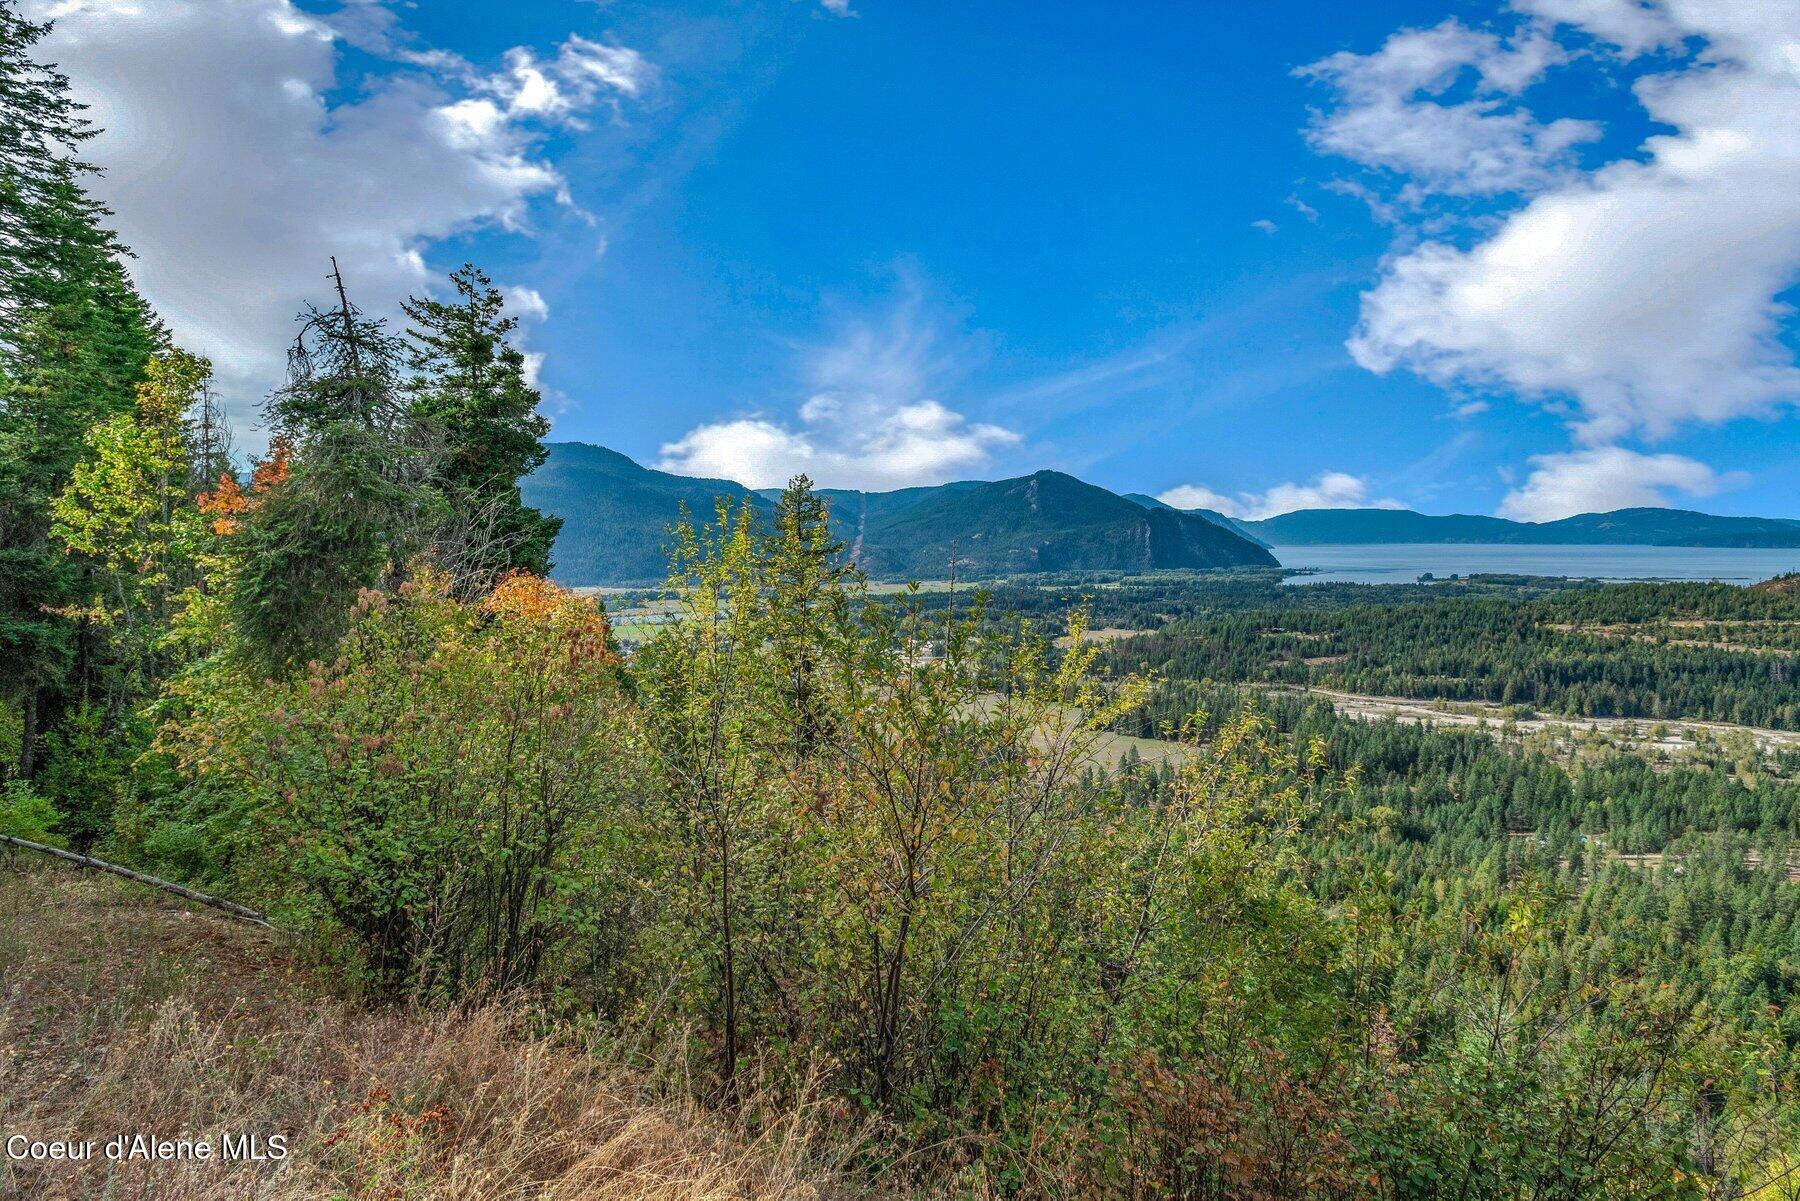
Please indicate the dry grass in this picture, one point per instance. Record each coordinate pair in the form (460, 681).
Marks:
(122, 1011)
(1103, 634)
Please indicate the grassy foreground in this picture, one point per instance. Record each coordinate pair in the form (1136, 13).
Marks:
(125, 1012)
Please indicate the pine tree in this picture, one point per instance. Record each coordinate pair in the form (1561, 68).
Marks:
(807, 591)
(42, 126)
(357, 502)
(471, 388)
(74, 338)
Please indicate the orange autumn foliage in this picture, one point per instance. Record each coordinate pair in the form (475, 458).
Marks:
(226, 504)
(527, 601)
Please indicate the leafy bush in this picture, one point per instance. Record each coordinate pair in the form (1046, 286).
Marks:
(25, 814)
(441, 796)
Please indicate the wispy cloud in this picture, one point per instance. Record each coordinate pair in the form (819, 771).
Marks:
(871, 418)
(1392, 112)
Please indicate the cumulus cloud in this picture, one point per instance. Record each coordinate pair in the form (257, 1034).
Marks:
(879, 449)
(870, 419)
(1329, 490)
(237, 161)
(527, 304)
(1602, 479)
(1641, 296)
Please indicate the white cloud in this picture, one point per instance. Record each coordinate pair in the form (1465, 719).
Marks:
(869, 421)
(1329, 490)
(1391, 112)
(1633, 27)
(1470, 408)
(582, 74)
(840, 8)
(1605, 478)
(1197, 496)
(1304, 209)
(237, 163)
(527, 304)
(1642, 296)
(1265, 225)
(877, 449)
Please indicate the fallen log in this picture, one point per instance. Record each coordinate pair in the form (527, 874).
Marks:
(241, 912)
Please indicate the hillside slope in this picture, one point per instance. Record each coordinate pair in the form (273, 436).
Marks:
(616, 513)
(1047, 521)
(1212, 515)
(121, 1010)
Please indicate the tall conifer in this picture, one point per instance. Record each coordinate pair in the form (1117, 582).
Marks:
(470, 386)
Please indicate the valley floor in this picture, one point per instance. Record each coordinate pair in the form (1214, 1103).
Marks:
(124, 1012)
(1659, 737)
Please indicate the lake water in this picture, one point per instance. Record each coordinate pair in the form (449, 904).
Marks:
(1404, 562)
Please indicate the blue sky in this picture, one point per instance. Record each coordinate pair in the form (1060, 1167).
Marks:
(1172, 248)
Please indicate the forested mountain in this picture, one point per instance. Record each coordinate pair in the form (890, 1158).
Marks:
(1045, 522)
(616, 513)
(1212, 515)
(1625, 527)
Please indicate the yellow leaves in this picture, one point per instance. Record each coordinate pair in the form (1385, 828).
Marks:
(172, 384)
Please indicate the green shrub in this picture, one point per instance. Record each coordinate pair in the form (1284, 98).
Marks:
(436, 800)
(25, 814)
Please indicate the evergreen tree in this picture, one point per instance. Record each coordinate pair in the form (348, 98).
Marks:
(42, 127)
(357, 501)
(470, 387)
(73, 343)
(808, 587)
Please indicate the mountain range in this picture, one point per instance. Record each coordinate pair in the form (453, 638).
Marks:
(1621, 527)
(616, 515)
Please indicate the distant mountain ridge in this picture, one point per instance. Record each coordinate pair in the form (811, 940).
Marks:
(1622, 527)
(1212, 515)
(1046, 521)
(616, 514)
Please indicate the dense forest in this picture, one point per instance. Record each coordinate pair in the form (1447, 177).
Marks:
(1704, 652)
(1652, 651)
(813, 840)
